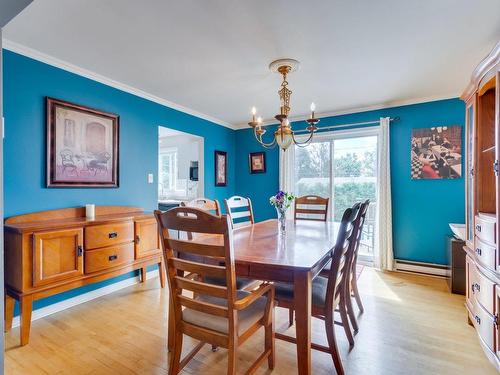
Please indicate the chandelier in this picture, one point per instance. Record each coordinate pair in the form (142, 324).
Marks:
(284, 136)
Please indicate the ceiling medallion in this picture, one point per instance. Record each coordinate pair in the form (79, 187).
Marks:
(284, 135)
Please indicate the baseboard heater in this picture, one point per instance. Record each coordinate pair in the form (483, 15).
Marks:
(432, 269)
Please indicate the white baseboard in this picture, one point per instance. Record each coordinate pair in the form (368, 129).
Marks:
(431, 269)
(85, 297)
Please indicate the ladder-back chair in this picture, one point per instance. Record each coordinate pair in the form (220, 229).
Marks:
(311, 207)
(328, 294)
(218, 315)
(239, 208)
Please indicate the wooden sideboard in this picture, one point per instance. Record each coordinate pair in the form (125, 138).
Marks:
(54, 251)
(482, 98)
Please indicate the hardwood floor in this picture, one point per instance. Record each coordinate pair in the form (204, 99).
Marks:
(411, 325)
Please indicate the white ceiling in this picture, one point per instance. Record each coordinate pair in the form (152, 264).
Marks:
(212, 56)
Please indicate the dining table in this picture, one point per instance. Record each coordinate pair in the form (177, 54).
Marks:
(297, 255)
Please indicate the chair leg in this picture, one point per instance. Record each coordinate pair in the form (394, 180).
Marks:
(231, 360)
(175, 358)
(354, 287)
(332, 345)
(352, 316)
(269, 344)
(290, 317)
(345, 321)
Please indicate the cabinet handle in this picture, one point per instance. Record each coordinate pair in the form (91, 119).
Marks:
(472, 287)
(478, 319)
(113, 257)
(137, 239)
(478, 251)
(79, 250)
(478, 287)
(113, 235)
(478, 227)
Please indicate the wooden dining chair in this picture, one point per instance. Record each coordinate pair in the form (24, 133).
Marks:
(311, 207)
(239, 210)
(353, 291)
(328, 294)
(205, 204)
(219, 315)
(212, 206)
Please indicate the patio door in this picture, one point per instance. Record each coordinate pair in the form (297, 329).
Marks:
(341, 165)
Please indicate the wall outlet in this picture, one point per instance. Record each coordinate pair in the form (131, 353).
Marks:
(150, 178)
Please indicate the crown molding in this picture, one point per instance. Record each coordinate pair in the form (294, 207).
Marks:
(392, 104)
(61, 64)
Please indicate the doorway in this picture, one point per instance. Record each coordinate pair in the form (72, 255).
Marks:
(180, 167)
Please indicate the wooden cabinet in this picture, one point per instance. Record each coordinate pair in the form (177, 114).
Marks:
(57, 255)
(54, 251)
(482, 98)
(147, 241)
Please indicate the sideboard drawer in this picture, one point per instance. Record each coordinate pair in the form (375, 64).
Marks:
(108, 234)
(485, 326)
(485, 254)
(484, 291)
(485, 228)
(101, 259)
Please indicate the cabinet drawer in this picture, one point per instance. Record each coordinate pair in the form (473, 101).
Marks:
(485, 228)
(485, 254)
(484, 291)
(485, 326)
(97, 260)
(108, 234)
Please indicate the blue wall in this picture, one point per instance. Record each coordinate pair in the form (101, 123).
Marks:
(422, 209)
(27, 82)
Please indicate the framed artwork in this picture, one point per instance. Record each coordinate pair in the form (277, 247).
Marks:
(220, 168)
(257, 162)
(82, 146)
(436, 153)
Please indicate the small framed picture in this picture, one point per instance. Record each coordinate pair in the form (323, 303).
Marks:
(220, 168)
(257, 162)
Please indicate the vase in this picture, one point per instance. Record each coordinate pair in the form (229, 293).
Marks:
(281, 219)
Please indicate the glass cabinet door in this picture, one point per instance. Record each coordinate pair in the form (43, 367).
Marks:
(469, 169)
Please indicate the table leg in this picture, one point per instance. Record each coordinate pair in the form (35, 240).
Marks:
(302, 303)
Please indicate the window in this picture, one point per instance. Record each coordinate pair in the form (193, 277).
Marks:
(168, 171)
(342, 166)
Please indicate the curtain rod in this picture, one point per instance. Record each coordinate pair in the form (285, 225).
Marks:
(392, 119)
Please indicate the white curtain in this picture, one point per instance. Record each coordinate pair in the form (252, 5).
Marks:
(384, 256)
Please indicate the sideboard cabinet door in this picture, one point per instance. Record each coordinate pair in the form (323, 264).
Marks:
(57, 255)
(146, 238)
